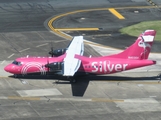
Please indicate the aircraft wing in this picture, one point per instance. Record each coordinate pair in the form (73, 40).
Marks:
(72, 64)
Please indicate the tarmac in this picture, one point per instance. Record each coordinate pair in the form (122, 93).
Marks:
(32, 27)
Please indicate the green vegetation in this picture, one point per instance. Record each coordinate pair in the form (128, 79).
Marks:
(136, 29)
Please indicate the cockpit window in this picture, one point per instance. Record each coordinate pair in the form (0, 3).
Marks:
(16, 63)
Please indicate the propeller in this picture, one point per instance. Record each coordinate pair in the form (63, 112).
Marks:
(51, 52)
(51, 49)
(47, 65)
(57, 52)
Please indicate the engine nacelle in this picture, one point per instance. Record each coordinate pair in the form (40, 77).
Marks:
(55, 66)
(57, 52)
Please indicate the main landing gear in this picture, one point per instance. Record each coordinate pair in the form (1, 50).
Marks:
(15, 75)
(72, 79)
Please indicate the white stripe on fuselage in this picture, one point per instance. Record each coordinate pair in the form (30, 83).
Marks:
(29, 65)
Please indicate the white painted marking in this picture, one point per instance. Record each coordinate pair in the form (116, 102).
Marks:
(11, 55)
(3, 97)
(83, 18)
(140, 85)
(3, 61)
(153, 96)
(42, 45)
(136, 11)
(139, 105)
(24, 82)
(39, 92)
(140, 100)
(102, 35)
(60, 41)
(24, 50)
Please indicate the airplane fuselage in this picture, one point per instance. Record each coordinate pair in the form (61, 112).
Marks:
(71, 61)
(100, 65)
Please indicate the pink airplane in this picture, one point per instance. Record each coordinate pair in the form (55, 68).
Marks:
(71, 62)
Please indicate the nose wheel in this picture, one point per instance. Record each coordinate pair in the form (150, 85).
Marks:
(15, 75)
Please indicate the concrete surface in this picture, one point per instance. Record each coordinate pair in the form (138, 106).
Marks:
(133, 95)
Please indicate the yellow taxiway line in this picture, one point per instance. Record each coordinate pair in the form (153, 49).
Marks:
(114, 12)
(22, 98)
(62, 99)
(77, 29)
(58, 31)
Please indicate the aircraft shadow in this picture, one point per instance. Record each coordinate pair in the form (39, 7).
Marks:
(122, 78)
(79, 87)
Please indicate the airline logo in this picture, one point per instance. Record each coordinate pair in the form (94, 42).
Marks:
(36, 66)
(144, 44)
(107, 67)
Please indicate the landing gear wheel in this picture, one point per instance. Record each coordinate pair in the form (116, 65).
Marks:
(72, 80)
(15, 75)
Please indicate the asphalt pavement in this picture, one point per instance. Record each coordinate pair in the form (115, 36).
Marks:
(25, 30)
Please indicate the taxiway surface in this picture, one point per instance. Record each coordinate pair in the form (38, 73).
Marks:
(24, 31)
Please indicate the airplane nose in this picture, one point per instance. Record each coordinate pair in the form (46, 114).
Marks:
(7, 68)
(12, 69)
